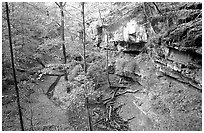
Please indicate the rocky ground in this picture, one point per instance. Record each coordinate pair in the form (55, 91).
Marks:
(166, 104)
(156, 88)
(159, 102)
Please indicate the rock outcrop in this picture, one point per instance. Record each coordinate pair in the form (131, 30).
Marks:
(130, 37)
(127, 69)
(179, 51)
(171, 72)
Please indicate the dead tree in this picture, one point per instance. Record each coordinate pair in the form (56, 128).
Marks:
(13, 67)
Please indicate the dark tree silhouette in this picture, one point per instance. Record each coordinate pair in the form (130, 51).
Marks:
(13, 67)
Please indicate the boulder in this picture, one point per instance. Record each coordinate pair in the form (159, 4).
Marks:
(127, 69)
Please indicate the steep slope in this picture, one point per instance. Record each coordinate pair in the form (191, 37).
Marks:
(170, 73)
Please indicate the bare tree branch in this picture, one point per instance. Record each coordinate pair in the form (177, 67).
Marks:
(64, 4)
(157, 8)
(57, 4)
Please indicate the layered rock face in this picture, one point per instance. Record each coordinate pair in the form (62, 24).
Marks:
(179, 54)
(133, 32)
(130, 37)
(170, 73)
(127, 69)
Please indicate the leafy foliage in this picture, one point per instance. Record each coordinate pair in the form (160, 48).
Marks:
(37, 45)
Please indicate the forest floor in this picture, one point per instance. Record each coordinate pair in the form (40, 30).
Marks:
(45, 114)
(165, 105)
(140, 121)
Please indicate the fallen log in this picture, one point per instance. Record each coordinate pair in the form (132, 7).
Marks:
(47, 74)
(52, 87)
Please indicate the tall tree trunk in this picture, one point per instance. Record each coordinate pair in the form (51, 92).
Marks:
(62, 35)
(106, 41)
(13, 67)
(84, 37)
(84, 44)
(108, 78)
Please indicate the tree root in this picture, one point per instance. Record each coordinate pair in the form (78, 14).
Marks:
(115, 95)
